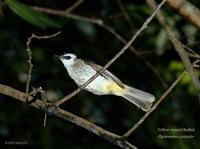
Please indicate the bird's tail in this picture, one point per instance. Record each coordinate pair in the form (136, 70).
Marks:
(140, 98)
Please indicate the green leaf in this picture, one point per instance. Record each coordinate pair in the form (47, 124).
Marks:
(35, 18)
(176, 66)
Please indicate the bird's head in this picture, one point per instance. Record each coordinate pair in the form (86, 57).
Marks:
(68, 59)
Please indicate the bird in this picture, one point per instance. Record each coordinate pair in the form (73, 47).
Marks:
(106, 83)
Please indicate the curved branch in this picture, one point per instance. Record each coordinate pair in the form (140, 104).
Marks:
(54, 110)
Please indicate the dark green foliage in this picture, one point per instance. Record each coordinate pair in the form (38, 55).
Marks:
(28, 14)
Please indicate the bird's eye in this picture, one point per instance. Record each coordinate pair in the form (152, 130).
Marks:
(67, 57)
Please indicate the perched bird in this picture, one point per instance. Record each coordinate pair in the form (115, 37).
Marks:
(106, 83)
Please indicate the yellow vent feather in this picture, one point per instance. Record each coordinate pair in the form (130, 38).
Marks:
(113, 88)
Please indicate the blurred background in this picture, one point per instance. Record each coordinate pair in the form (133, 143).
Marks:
(20, 122)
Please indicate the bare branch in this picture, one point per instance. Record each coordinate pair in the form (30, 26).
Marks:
(189, 50)
(62, 13)
(54, 110)
(74, 6)
(44, 98)
(187, 10)
(69, 96)
(29, 52)
(45, 36)
(116, 56)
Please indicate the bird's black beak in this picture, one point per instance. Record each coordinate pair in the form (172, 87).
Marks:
(57, 56)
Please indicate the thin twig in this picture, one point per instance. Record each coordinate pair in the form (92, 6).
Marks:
(192, 52)
(44, 98)
(164, 95)
(193, 56)
(46, 36)
(35, 91)
(29, 52)
(74, 6)
(115, 57)
(62, 13)
(54, 110)
(69, 96)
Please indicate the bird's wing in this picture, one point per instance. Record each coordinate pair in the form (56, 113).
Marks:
(106, 73)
